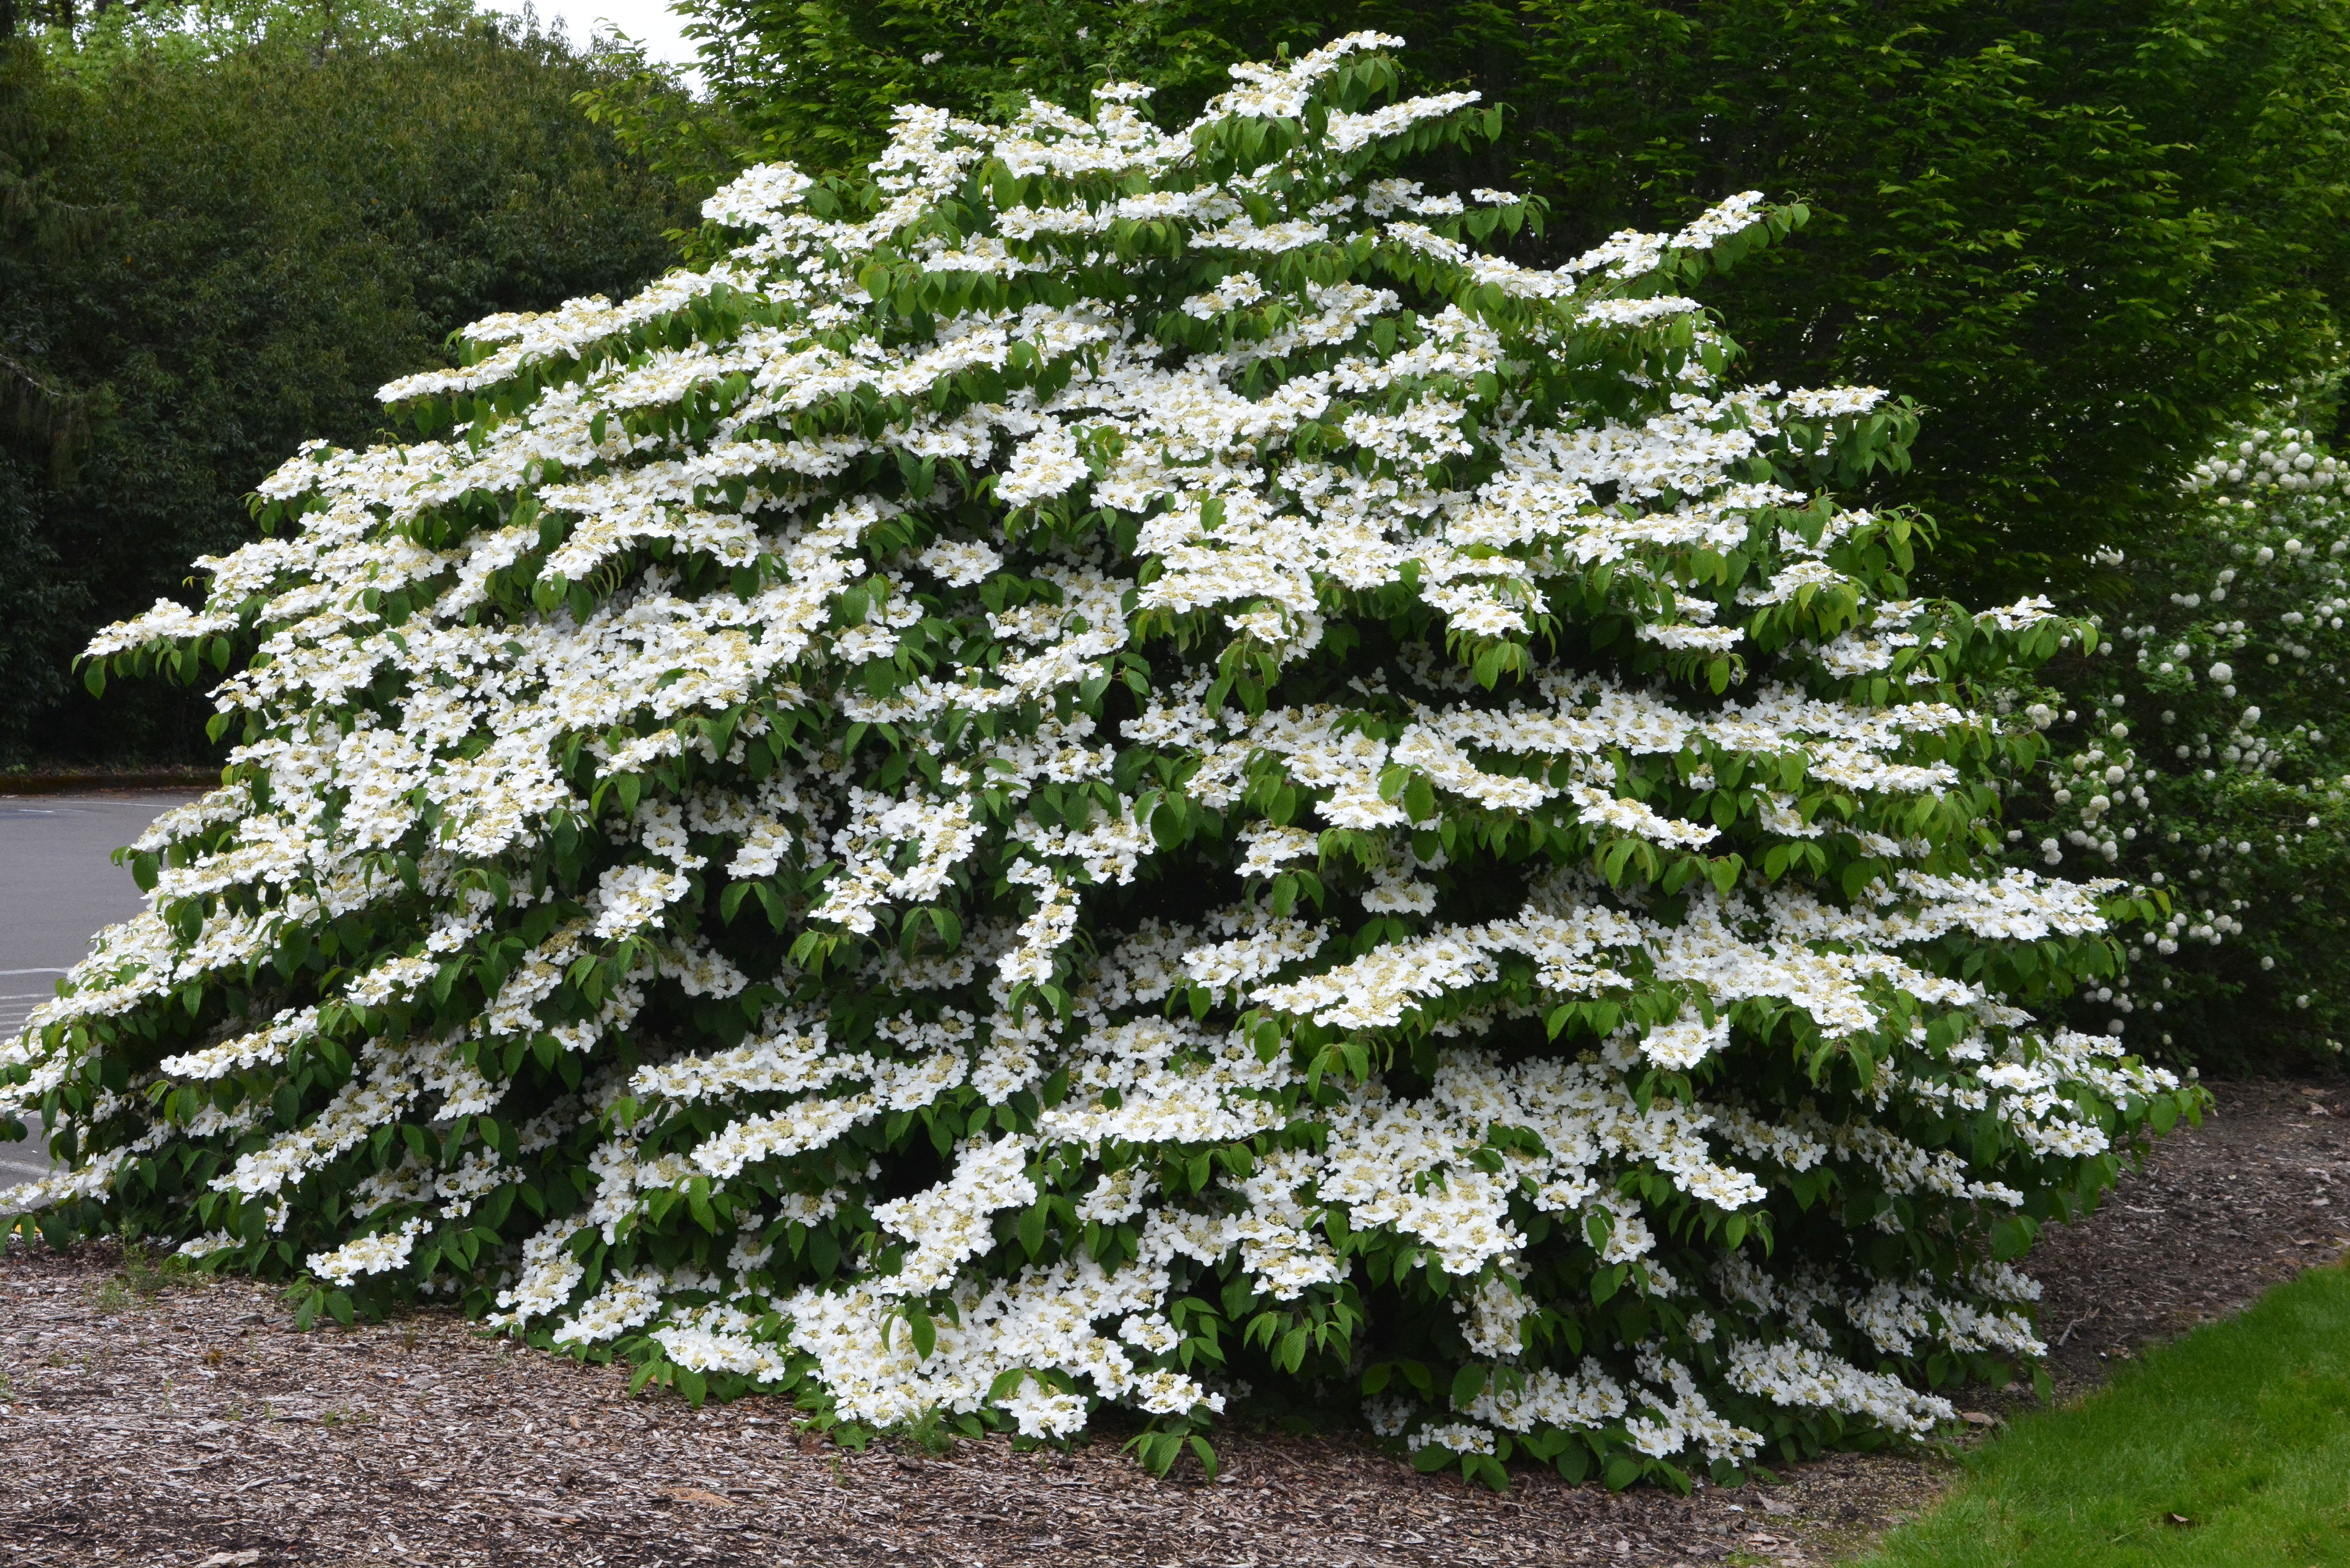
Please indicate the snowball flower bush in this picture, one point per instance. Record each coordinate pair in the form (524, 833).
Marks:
(1120, 767)
(2205, 752)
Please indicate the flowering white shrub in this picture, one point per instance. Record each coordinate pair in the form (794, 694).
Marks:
(2205, 750)
(1121, 766)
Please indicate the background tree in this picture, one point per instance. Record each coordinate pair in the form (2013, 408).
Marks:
(40, 606)
(2085, 235)
(221, 237)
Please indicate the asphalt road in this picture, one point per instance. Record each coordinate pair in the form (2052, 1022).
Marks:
(57, 887)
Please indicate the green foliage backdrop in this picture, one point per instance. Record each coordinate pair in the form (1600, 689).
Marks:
(210, 258)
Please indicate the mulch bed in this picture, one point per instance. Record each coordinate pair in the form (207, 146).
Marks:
(193, 1425)
(2255, 1195)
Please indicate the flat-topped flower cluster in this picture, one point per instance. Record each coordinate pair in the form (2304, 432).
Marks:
(1121, 766)
(2206, 752)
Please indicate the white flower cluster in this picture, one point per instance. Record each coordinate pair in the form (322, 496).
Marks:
(1103, 765)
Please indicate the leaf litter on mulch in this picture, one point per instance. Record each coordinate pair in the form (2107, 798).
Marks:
(156, 1420)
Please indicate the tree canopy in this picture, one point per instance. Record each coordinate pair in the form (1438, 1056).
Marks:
(218, 239)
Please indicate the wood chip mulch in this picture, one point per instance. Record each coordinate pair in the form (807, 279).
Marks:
(192, 1426)
(2255, 1195)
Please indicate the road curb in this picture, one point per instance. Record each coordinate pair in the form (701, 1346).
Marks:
(81, 783)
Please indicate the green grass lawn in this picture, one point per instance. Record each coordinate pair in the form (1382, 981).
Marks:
(2242, 1428)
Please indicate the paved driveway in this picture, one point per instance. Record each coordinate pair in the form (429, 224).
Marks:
(56, 888)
